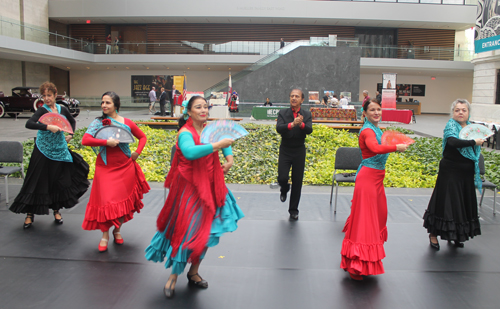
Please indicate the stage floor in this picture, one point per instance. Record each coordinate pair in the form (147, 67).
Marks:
(269, 262)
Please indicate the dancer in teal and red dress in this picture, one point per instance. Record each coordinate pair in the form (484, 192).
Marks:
(199, 207)
(119, 182)
(365, 228)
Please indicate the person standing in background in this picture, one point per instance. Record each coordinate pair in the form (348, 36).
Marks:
(108, 44)
(163, 101)
(152, 100)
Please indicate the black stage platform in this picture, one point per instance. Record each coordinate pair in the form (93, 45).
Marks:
(268, 262)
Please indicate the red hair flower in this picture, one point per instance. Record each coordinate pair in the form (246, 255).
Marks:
(106, 122)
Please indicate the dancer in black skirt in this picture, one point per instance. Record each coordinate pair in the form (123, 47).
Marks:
(56, 176)
(452, 211)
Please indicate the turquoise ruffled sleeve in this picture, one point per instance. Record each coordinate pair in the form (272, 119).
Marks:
(190, 150)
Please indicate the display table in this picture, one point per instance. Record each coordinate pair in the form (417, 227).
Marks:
(397, 115)
(219, 112)
(333, 114)
(266, 112)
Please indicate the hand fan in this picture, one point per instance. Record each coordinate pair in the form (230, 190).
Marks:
(57, 120)
(474, 131)
(221, 129)
(393, 138)
(115, 132)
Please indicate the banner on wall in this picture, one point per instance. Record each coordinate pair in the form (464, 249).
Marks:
(389, 92)
(388, 80)
(486, 35)
(142, 85)
(389, 98)
(418, 90)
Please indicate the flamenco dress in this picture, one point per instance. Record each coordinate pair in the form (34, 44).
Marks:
(119, 183)
(452, 211)
(365, 229)
(56, 176)
(199, 207)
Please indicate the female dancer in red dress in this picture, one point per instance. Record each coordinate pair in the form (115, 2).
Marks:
(365, 228)
(119, 182)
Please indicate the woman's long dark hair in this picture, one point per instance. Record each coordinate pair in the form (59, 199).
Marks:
(116, 102)
(181, 121)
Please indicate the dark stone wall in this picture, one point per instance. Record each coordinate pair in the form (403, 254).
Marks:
(310, 68)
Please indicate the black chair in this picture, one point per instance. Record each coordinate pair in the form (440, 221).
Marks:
(346, 158)
(486, 184)
(413, 116)
(172, 152)
(11, 152)
(492, 139)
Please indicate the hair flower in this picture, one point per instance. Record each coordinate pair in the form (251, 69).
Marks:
(106, 122)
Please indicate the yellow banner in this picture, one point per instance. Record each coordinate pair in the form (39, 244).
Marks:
(179, 83)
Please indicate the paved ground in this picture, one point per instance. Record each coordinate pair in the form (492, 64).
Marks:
(268, 262)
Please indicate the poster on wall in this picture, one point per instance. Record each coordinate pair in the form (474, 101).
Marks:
(418, 90)
(314, 97)
(486, 37)
(389, 80)
(403, 89)
(142, 85)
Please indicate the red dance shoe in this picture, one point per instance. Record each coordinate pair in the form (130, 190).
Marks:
(118, 241)
(103, 248)
(356, 277)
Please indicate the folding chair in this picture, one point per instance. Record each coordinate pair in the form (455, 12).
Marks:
(11, 152)
(346, 158)
(486, 184)
(172, 152)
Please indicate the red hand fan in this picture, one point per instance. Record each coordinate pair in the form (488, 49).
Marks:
(57, 120)
(393, 138)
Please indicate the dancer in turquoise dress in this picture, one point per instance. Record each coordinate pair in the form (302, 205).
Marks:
(199, 207)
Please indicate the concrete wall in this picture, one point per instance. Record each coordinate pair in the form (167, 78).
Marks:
(36, 16)
(439, 93)
(308, 68)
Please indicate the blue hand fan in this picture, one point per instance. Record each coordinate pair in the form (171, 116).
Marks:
(221, 129)
(115, 132)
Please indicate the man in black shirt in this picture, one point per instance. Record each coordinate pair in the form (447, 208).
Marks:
(293, 124)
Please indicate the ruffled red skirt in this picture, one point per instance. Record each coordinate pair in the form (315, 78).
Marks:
(117, 191)
(365, 228)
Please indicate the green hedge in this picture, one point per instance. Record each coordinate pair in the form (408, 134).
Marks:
(256, 157)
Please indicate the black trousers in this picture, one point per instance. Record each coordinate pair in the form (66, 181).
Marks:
(171, 108)
(162, 109)
(294, 158)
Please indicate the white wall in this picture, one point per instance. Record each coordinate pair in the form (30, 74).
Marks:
(95, 83)
(439, 93)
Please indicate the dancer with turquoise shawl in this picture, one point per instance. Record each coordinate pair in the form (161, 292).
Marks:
(119, 182)
(365, 228)
(452, 211)
(56, 176)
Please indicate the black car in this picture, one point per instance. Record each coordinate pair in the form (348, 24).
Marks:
(27, 99)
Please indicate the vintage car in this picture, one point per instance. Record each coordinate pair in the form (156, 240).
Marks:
(27, 99)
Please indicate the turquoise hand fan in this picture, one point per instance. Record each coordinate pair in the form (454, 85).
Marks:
(221, 129)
